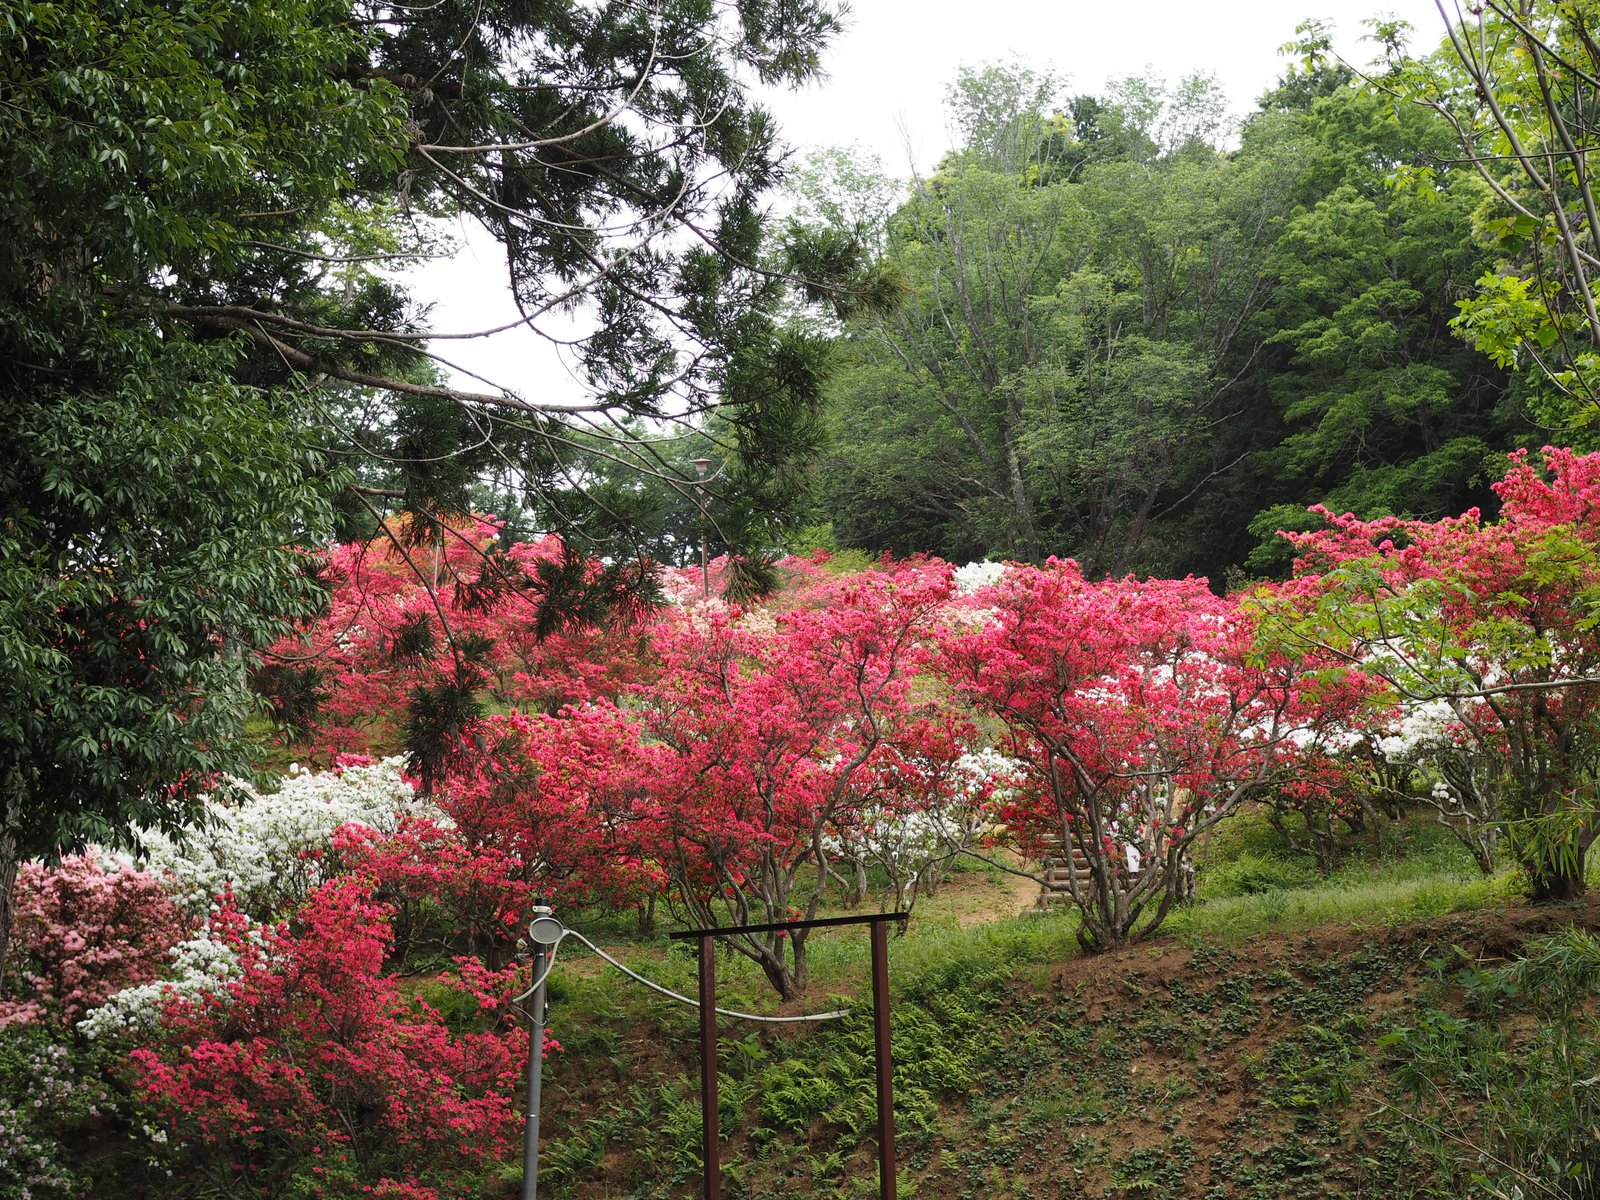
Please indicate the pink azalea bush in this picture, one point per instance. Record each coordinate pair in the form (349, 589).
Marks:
(85, 929)
(1483, 634)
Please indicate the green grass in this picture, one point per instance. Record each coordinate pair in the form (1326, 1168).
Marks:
(1377, 899)
(1401, 872)
(1005, 1081)
(1249, 883)
(839, 964)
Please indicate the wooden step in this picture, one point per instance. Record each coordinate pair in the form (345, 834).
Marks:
(1061, 867)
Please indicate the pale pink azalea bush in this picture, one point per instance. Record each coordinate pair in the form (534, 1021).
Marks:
(85, 929)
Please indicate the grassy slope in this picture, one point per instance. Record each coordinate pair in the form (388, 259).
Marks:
(1236, 1055)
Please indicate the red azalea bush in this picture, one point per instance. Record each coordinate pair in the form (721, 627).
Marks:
(404, 623)
(1142, 714)
(314, 1074)
(1484, 635)
(444, 894)
(773, 726)
(565, 797)
(84, 930)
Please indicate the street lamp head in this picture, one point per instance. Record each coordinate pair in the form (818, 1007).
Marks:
(546, 930)
(700, 465)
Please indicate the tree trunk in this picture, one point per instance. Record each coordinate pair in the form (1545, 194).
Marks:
(798, 937)
(786, 981)
(1024, 533)
(8, 886)
(1135, 532)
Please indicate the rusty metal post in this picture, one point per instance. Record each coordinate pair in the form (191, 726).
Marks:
(885, 1057)
(708, 1068)
(887, 1183)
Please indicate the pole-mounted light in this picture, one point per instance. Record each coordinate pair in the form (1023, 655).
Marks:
(544, 931)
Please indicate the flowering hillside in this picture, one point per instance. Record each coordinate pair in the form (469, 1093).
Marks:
(310, 992)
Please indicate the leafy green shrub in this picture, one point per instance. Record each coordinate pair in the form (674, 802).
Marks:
(1531, 1130)
(51, 1091)
(1252, 874)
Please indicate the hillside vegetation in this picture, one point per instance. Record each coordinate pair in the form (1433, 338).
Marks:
(1145, 506)
(1350, 1037)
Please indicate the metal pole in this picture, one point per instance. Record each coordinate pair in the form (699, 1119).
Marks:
(880, 1014)
(700, 465)
(530, 1141)
(885, 1057)
(708, 1068)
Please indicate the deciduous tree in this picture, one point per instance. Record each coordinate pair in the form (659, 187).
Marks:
(1494, 620)
(1140, 716)
(774, 726)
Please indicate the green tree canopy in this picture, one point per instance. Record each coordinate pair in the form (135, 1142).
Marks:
(203, 353)
(1378, 405)
(1127, 339)
(1513, 88)
(1077, 278)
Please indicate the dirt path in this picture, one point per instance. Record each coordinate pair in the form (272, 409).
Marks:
(976, 898)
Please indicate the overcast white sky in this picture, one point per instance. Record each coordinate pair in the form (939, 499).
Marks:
(884, 90)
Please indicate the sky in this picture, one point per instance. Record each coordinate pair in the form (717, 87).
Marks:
(887, 75)
(883, 90)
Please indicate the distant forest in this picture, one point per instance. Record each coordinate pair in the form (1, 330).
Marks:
(1134, 332)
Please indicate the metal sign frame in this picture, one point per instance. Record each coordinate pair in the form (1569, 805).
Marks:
(709, 1131)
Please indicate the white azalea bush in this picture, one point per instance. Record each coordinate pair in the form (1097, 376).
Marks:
(268, 848)
(1465, 779)
(914, 845)
(257, 856)
(976, 576)
(202, 965)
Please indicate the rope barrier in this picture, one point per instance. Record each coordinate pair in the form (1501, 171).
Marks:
(667, 992)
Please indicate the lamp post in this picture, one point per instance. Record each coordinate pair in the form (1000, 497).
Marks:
(544, 932)
(700, 465)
